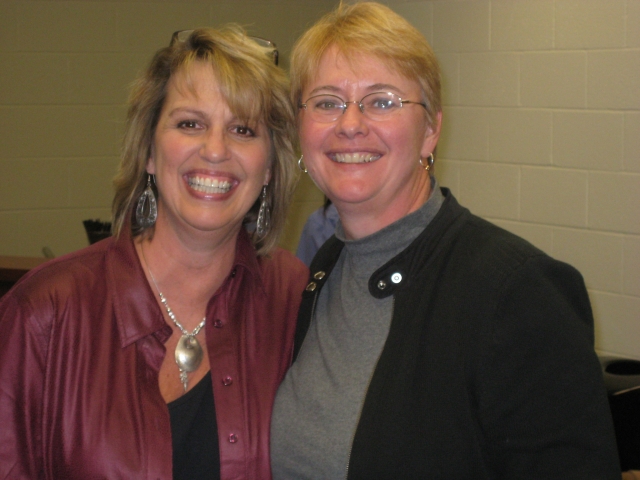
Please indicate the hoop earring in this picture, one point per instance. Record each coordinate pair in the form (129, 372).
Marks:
(429, 164)
(301, 165)
(147, 208)
(264, 215)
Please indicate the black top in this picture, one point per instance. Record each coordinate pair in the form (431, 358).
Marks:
(194, 434)
(488, 371)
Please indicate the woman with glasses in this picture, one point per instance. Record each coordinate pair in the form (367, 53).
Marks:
(156, 354)
(430, 344)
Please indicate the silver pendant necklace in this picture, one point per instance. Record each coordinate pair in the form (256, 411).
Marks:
(188, 354)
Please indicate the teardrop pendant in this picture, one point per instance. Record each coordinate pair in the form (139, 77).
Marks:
(147, 207)
(264, 215)
(188, 353)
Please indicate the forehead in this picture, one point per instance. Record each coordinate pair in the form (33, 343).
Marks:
(338, 70)
(200, 82)
(194, 80)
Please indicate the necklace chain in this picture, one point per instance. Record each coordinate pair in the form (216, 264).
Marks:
(188, 352)
(172, 315)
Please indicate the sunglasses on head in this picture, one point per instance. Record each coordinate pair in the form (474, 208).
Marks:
(182, 35)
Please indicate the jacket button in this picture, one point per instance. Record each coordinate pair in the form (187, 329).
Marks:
(319, 275)
(311, 287)
(217, 323)
(226, 381)
(396, 277)
(382, 285)
(233, 438)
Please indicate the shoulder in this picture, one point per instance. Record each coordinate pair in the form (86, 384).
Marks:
(63, 277)
(283, 270)
(504, 257)
(494, 250)
(52, 287)
(479, 255)
(79, 264)
(513, 278)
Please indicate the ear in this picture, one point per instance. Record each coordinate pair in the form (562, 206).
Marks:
(431, 137)
(267, 176)
(151, 162)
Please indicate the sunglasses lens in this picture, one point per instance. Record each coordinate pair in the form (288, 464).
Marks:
(182, 35)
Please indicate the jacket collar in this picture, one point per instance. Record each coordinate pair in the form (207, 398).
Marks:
(391, 277)
(397, 272)
(247, 259)
(136, 310)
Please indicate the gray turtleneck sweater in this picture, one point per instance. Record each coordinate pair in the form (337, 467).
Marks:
(318, 405)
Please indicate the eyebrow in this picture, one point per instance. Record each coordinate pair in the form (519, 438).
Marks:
(376, 87)
(187, 110)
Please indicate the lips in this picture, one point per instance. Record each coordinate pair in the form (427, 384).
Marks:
(354, 157)
(209, 185)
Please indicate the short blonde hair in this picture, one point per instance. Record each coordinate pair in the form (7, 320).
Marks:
(372, 29)
(255, 90)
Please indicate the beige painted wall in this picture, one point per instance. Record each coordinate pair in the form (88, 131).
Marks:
(542, 134)
(65, 67)
(541, 121)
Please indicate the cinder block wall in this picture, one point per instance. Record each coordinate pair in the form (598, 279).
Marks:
(541, 121)
(65, 68)
(542, 134)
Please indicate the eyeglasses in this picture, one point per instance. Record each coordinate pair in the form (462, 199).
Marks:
(182, 35)
(325, 108)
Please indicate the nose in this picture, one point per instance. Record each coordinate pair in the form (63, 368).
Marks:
(214, 146)
(352, 121)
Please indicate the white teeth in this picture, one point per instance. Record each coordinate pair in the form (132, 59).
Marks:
(209, 185)
(355, 157)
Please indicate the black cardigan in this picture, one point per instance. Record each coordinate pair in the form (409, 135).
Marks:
(488, 371)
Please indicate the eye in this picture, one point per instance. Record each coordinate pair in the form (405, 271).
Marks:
(188, 124)
(381, 102)
(327, 103)
(244, 131)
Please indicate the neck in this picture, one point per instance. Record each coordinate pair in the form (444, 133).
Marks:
(186, 274)
(364, 219)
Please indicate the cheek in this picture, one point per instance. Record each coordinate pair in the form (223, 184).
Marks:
(258, 160)
(406, 141)
(311, 134)
(312, 146)
(167, 151)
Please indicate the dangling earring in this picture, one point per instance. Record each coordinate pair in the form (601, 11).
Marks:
(301, 165)
(429, 164)
(264, 215)
(147, 208)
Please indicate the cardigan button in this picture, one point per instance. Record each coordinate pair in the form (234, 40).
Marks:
(311, 287)
(217, 323)
(233, 438)
(226, 381)
(382, 285)
(319, 275)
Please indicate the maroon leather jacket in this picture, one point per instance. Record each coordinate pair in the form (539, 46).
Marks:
(82, 340)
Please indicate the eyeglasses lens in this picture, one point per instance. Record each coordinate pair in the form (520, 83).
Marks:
(375, 106)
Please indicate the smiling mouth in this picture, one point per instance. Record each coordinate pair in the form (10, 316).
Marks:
(209, 185)
(354, 157)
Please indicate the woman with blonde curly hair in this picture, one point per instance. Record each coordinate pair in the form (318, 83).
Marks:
(156, 353)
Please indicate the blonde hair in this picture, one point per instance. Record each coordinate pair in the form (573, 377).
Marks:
(255, 90)
(368, 28)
